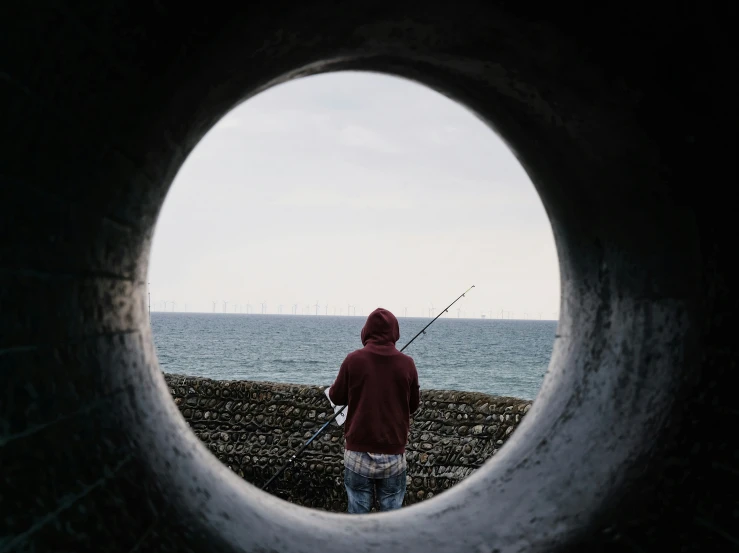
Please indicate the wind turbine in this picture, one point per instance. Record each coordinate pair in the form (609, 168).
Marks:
(279, 309)
(264, 307)
(224, 306)
(214, 307)
(326, 312)
(406, 312)
(295, 309)
(316, 306)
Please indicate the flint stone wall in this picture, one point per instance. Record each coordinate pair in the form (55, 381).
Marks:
(254, 427)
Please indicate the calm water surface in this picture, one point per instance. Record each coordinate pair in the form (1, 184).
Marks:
(504, 357)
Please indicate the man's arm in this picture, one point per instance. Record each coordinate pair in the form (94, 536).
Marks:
(339, 391)
(415, 398)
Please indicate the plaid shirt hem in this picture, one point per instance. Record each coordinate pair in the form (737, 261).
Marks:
(374, 465)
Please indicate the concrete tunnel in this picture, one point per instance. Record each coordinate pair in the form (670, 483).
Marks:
(625, 121)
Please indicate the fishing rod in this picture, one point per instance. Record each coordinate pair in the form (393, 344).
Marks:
(333, 417)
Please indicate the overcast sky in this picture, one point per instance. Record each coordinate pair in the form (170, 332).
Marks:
(354, 189)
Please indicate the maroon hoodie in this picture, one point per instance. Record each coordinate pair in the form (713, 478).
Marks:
(379, 385)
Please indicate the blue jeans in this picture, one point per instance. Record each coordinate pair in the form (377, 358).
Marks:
(360, 491)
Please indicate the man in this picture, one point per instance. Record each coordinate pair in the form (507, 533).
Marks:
(379, 386)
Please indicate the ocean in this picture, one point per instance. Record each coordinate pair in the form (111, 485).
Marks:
(494, 356)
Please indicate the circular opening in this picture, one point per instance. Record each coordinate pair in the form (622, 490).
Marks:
(566, 451)
(364, 190)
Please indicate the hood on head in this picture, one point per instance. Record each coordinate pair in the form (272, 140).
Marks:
(381, 328)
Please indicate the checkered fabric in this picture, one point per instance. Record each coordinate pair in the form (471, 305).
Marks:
(374, 465)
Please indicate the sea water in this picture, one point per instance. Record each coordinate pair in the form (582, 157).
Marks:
(494, 356)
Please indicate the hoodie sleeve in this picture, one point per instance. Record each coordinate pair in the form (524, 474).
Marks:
(339, 391)
(415, 391)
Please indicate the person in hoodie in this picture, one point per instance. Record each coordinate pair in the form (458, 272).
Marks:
(379, 386)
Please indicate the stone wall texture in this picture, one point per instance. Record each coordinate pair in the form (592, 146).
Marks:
(254, 427)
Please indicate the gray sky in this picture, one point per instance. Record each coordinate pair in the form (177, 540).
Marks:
(354, 188)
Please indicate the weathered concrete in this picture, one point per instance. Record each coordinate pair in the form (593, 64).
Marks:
(624, 119)
(254, 427)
